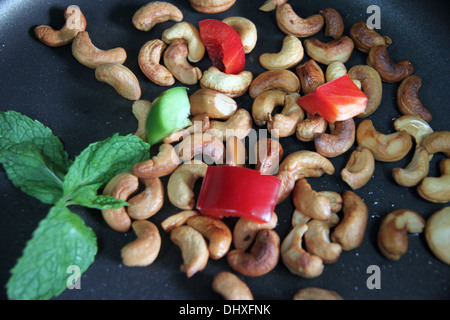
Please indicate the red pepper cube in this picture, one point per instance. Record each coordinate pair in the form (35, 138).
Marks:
(238, 192)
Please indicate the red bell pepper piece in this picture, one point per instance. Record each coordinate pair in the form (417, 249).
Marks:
(229, 191)
(224, 46)
(337, 100)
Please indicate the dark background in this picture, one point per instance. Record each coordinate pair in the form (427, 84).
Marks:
(49, 85)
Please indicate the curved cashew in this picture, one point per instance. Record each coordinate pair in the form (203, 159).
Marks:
(408, 98)
(371, 85)
(334, 25)
(231, 287)
(122, 79)
(384, 147)
(337, 69)
(309, 202)
(316, 294)
(308, 128)
(245, 231)
(193, 248)
(392, 235)
(290, 23)
(246, 29)
(236, 154)
(211, 6)
(233, 85)
(217, 232)
(148, 202)
(284, 124)
(436, 234)
(271, 5)
(163, 164)
(415, 171)
(338, 141)
(238, 125)
(182, 181)
(177, 219)
(299, 218)
(75, 22)
(264, 104)
(262, 258)
(389, 71)
(274, 79)
(121, 187)
(336, 50)
(365, 37)
(200, 123)
(359, 168)
(149, 63)
(90, 56)
(296, 259)
(215, 104)
(349, 233)
(290, 54)
(188, 32)
(311, 76)
(201, 143)
(145, 249)
(140, 110)
(268, 154)
(415, 126)
(175, 60)
(317, 241)
(438, 141)
(147, 16)
(437, 189)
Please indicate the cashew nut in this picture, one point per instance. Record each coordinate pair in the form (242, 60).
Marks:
(284, 124)
(415, 171)
(175, 60)
(238, 125)
(121, 187)
(437, 189)
(308, 128)
(75, 22)
(246, 30)
(201, 143)
(90, 56)
(215, 104)
(408, 102)
(311, 76)
(147, 16)
(290, 23)
(290, 54)
(366, 38)
(265, 103)
(438, 141)
(336, 50)
(148, 202)
(384, 147)
(392, 235)
(245, 231)
(188, 32)
(271, 5)
(415, 126)
(268, 154)
(309, 202)
(334, 25)
(200, 123)
(211, 6)
(193, 248)
(122, 79)
(436, 234)
(338, 141)
(236, 154)
(177, 219)
(359, 168)
(389, 71)
(337, 69)
(149, 63)
(262, 258)
(163, 164)
(335, 204)
(317, 241)
(316, 294)
(274, 79)
(217, 232)
(349, 233)
(140, 110)
(233, 85)
(181, 183)
(231, 287)
(298, 260)
(145, 249)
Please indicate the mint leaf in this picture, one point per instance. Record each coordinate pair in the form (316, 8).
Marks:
(61, 240)
(88, 197)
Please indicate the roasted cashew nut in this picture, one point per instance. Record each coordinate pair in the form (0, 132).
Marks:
(176, 61)
(384, 147)
(211, 6)
(349, 233)
(438, 141)
(366, 38)
(75, 22)
(389, 71)
(392, 235)
(245, 230)
(291, 53)
(311, 76)
(188, 32)
(284, 124)
(122, 79)
(147, 16)
(231, 287)
(317, 241)
(408, 102)
(238, 125)
(216, 231)
(338, 141)
(140, 110)
(436, 234)
(371, 85)
(121, 187)
(290, 23)
(268, 155)
(284, 80)
(148, 202)
(194, 249)
(262, 257)
(215, 104)
(90, 56)
(265, 103)
(316, 294)
(415, 171)
(236, 153)
(308, 128)
(233, 85)
(334, 25)
(296, 259)
(182, 181)
(144, 250)
(359, 168)
(415, 126)
(149, 63)
(246, 30)
(200, 123)
(177, 219)
(201, 143)
(336, 50)
(163, 164)
(309, 202)
(271, 5)
(437, 189)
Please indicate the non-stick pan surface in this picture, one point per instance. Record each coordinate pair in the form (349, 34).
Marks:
(49, 85)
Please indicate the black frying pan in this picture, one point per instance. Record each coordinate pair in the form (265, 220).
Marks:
(49, 85)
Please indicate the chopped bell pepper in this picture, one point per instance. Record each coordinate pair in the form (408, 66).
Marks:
(224, 46)
(229, 191)
(337, 100)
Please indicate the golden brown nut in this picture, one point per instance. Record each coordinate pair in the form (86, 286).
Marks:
(290, 23)
(149, 63)
(122, 79)
(211, 6)
(189, 33)
(145, 249)
(437, 189)
(334, 25)
(290, 54)
(415, 171)
(148, 202)
(233, 85)
(201, 143)
(147, 16)
(338, 141)
(284, 80)
(311, 76)
(317, 241)
(309, 127)
(231, 287)
(236, 153)
(436, 234)
(265, 103)
(389, 71)
(216, 104)
(140, 110)
(268, 154)
(438, 141)
(163, 164)
(246, 30)
(316, 294)
(366, 38)
(415, 126)
(284, 124)
(238, 125)
(408, 102)
(176, 61)
(271, 5)
(309, 202)
(359, 168)
(177, 219)
(245, 231)
(336, 50)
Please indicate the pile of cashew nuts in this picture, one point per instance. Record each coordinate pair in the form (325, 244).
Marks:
(319, 233)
